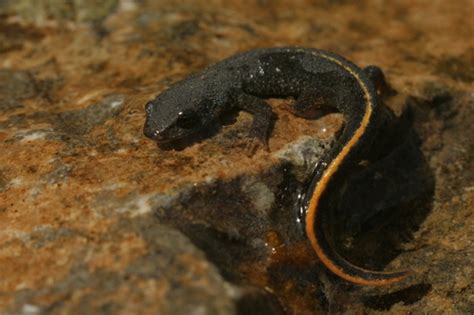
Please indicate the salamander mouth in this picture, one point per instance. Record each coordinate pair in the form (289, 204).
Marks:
(184, 140)
(174, 139)
(165, 138)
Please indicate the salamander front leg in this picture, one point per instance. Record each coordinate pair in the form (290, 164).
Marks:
(263, 119)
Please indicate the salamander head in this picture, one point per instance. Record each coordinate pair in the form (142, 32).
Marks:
(177, 113)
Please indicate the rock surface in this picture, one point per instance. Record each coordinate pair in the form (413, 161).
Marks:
(96, 219)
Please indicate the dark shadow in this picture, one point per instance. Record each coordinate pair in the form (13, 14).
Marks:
(407, 296)
(181, 144)
(381, 205)
(224, 251)
(376, 207)
(258, 302)
(211, 130)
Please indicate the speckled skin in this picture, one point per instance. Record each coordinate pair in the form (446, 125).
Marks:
(241, 81)
(314, 78)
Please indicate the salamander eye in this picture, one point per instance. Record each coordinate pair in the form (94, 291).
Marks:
(148, 108)
(188, 119)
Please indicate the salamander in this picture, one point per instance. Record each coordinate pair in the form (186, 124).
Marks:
(315, 79)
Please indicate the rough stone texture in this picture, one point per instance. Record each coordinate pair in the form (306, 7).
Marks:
(96, 219)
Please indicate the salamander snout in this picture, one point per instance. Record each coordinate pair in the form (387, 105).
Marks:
(150, 131)
(150, 128)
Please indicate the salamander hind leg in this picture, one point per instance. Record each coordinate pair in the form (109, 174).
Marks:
(263, 120)
(312, 104)
(377, 77)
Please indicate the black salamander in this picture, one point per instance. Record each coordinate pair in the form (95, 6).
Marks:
(315, 78)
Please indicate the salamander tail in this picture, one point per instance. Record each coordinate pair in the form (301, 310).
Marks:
(344, 269)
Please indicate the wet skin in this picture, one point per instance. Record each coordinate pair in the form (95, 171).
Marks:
(315, 79)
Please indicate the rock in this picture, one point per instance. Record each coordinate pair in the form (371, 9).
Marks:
(138, 263)
(96, 219)
(14, 87)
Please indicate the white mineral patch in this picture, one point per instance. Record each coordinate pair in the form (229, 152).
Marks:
(304, 151)
(36, 135)
(127, 5)
(137, 206)
(16, 182)
(114, 186)
(122, 151)
(14, 233)
(116, 103)
(261, 196)
(30, 309)
(143, 205)
(91, 95)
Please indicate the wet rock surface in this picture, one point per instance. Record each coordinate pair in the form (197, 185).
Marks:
(96, 219)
